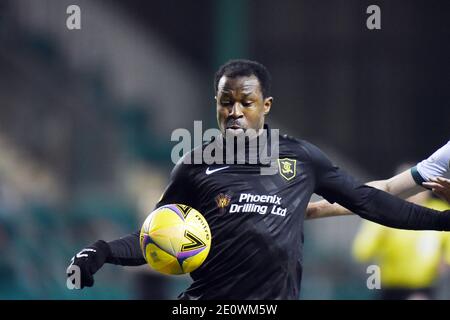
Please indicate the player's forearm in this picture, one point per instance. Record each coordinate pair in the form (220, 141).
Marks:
(323, 209)
(385, 209)
(126, 251)
(401, 185)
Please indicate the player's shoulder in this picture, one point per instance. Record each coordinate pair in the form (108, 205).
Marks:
(186, 164)
(292, 141)
(193, 160)
(189, 158)
(303, 148)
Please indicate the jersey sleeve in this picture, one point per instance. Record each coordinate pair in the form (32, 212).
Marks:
(126, 251)
(335, 185)
(437, 165)
(331, 182)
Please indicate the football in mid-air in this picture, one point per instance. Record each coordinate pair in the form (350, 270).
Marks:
(175, 239)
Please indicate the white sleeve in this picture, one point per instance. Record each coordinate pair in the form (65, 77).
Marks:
(437, 165)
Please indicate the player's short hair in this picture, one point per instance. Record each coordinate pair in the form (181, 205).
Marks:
(245, 68)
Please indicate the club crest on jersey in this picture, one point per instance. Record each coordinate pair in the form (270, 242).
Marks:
(287, 168)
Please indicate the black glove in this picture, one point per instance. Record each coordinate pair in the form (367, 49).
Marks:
(86, 263)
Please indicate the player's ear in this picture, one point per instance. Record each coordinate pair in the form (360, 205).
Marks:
(267, 104)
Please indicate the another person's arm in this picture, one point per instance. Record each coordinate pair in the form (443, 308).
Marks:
(440, 186)
(433, 172)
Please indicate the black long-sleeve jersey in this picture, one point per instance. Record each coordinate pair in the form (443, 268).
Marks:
(256, 220)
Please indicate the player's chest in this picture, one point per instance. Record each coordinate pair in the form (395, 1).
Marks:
(282, 173)
(241, 189)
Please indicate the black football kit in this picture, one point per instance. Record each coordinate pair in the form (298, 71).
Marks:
(256, 220)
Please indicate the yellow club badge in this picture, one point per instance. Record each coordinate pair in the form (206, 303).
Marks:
(287, 168)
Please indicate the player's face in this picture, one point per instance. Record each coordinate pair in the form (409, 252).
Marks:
(240, 104)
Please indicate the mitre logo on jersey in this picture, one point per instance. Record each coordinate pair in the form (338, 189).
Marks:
(287, 168)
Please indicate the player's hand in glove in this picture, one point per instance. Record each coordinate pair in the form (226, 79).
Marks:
(86, 263)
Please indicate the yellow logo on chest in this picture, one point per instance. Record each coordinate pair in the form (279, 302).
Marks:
(287, 168)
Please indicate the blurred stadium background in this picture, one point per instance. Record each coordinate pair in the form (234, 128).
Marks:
(86, 117)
